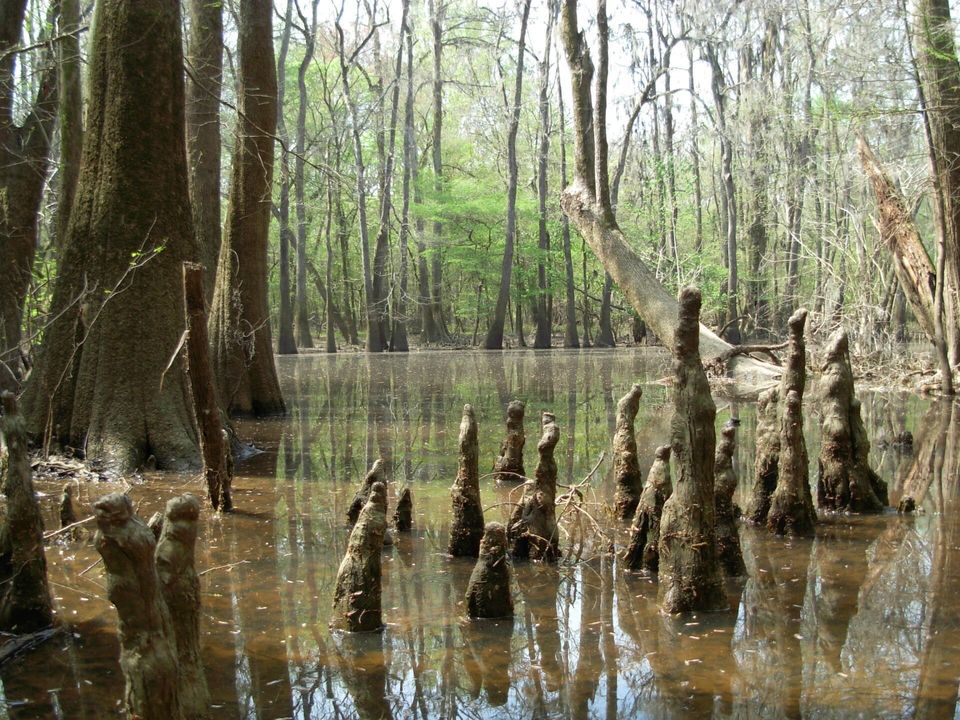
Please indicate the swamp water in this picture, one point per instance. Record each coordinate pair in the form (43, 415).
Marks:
(864, 621)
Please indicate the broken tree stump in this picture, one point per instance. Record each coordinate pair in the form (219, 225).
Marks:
(508, 467)
(846, 482)
(791, 505)
(724, 486)
(489, 594)
(148, 655)
(533, 526)
(376, 474)
(176, 566)
(357, 595)
(403, 515)
(642, 551)
(217, 470)
(466, 528)
(767, 460)
(25, 604)
(689, 570)
(626, 464)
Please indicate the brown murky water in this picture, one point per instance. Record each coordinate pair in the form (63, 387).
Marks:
(861, 622)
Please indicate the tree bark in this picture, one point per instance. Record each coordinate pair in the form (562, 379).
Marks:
(118, 289)
(570, 337)
(242, 348)
(286, 344)
(437, 12)
(544, 316)
(204, 81)
(398, 336)
(494, 339)
(71, 113)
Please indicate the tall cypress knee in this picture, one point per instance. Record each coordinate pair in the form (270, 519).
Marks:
(725, 485)
(358, 591)
(643, 552)
(508, 467)
(466, 529)
(689, 568)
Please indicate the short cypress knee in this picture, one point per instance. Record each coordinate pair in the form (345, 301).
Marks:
(466, 529)
(846, 481)
(689, 570)
(626, 464)
(358, 591)
(489, 594)
(508, 466)
(725, 485)
(376, 474)
(533, 527)
(643, 552)
(403, 515)
(767, 460)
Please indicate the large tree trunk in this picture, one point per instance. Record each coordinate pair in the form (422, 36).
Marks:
(240, 323)
(71, 113)
(101, 381)
(494, 339)
(205, 64)
(24, 162)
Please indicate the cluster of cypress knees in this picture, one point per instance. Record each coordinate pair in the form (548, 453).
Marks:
(686, 533)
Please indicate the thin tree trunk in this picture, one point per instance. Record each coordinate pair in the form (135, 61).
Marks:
(570, 339)
(398, 340)
(437, 11)
(204, 81)
(331, 344)
(286, 344)
(544, 316)
(494, 339)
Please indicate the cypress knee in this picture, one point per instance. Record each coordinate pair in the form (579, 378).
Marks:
(180, 585)
(466, 529)
(376, 474)
(68, 516)
(357, 595)
(508, 466)
(724, 486)
(689, 569)
(642, 552)
(403, 515)
(533, 527)
(766, 463)
(489, 594)
(148, 654)
(846, 482)
(626, 464)
(25, 603)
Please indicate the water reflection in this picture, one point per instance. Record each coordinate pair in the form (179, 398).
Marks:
(859, 622)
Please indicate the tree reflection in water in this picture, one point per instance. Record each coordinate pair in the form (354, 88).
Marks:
(860, 622)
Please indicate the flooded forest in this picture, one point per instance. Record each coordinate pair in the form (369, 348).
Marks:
(479, 359)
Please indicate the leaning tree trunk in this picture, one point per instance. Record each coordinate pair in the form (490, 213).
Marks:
(24, 594)
(466, 529)
(626, 464)
(148, 652)
(588, 206)
(102, 380)
(494, 339)
(689, 567)
(846, 481)
(242, 348)
(205, 63)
